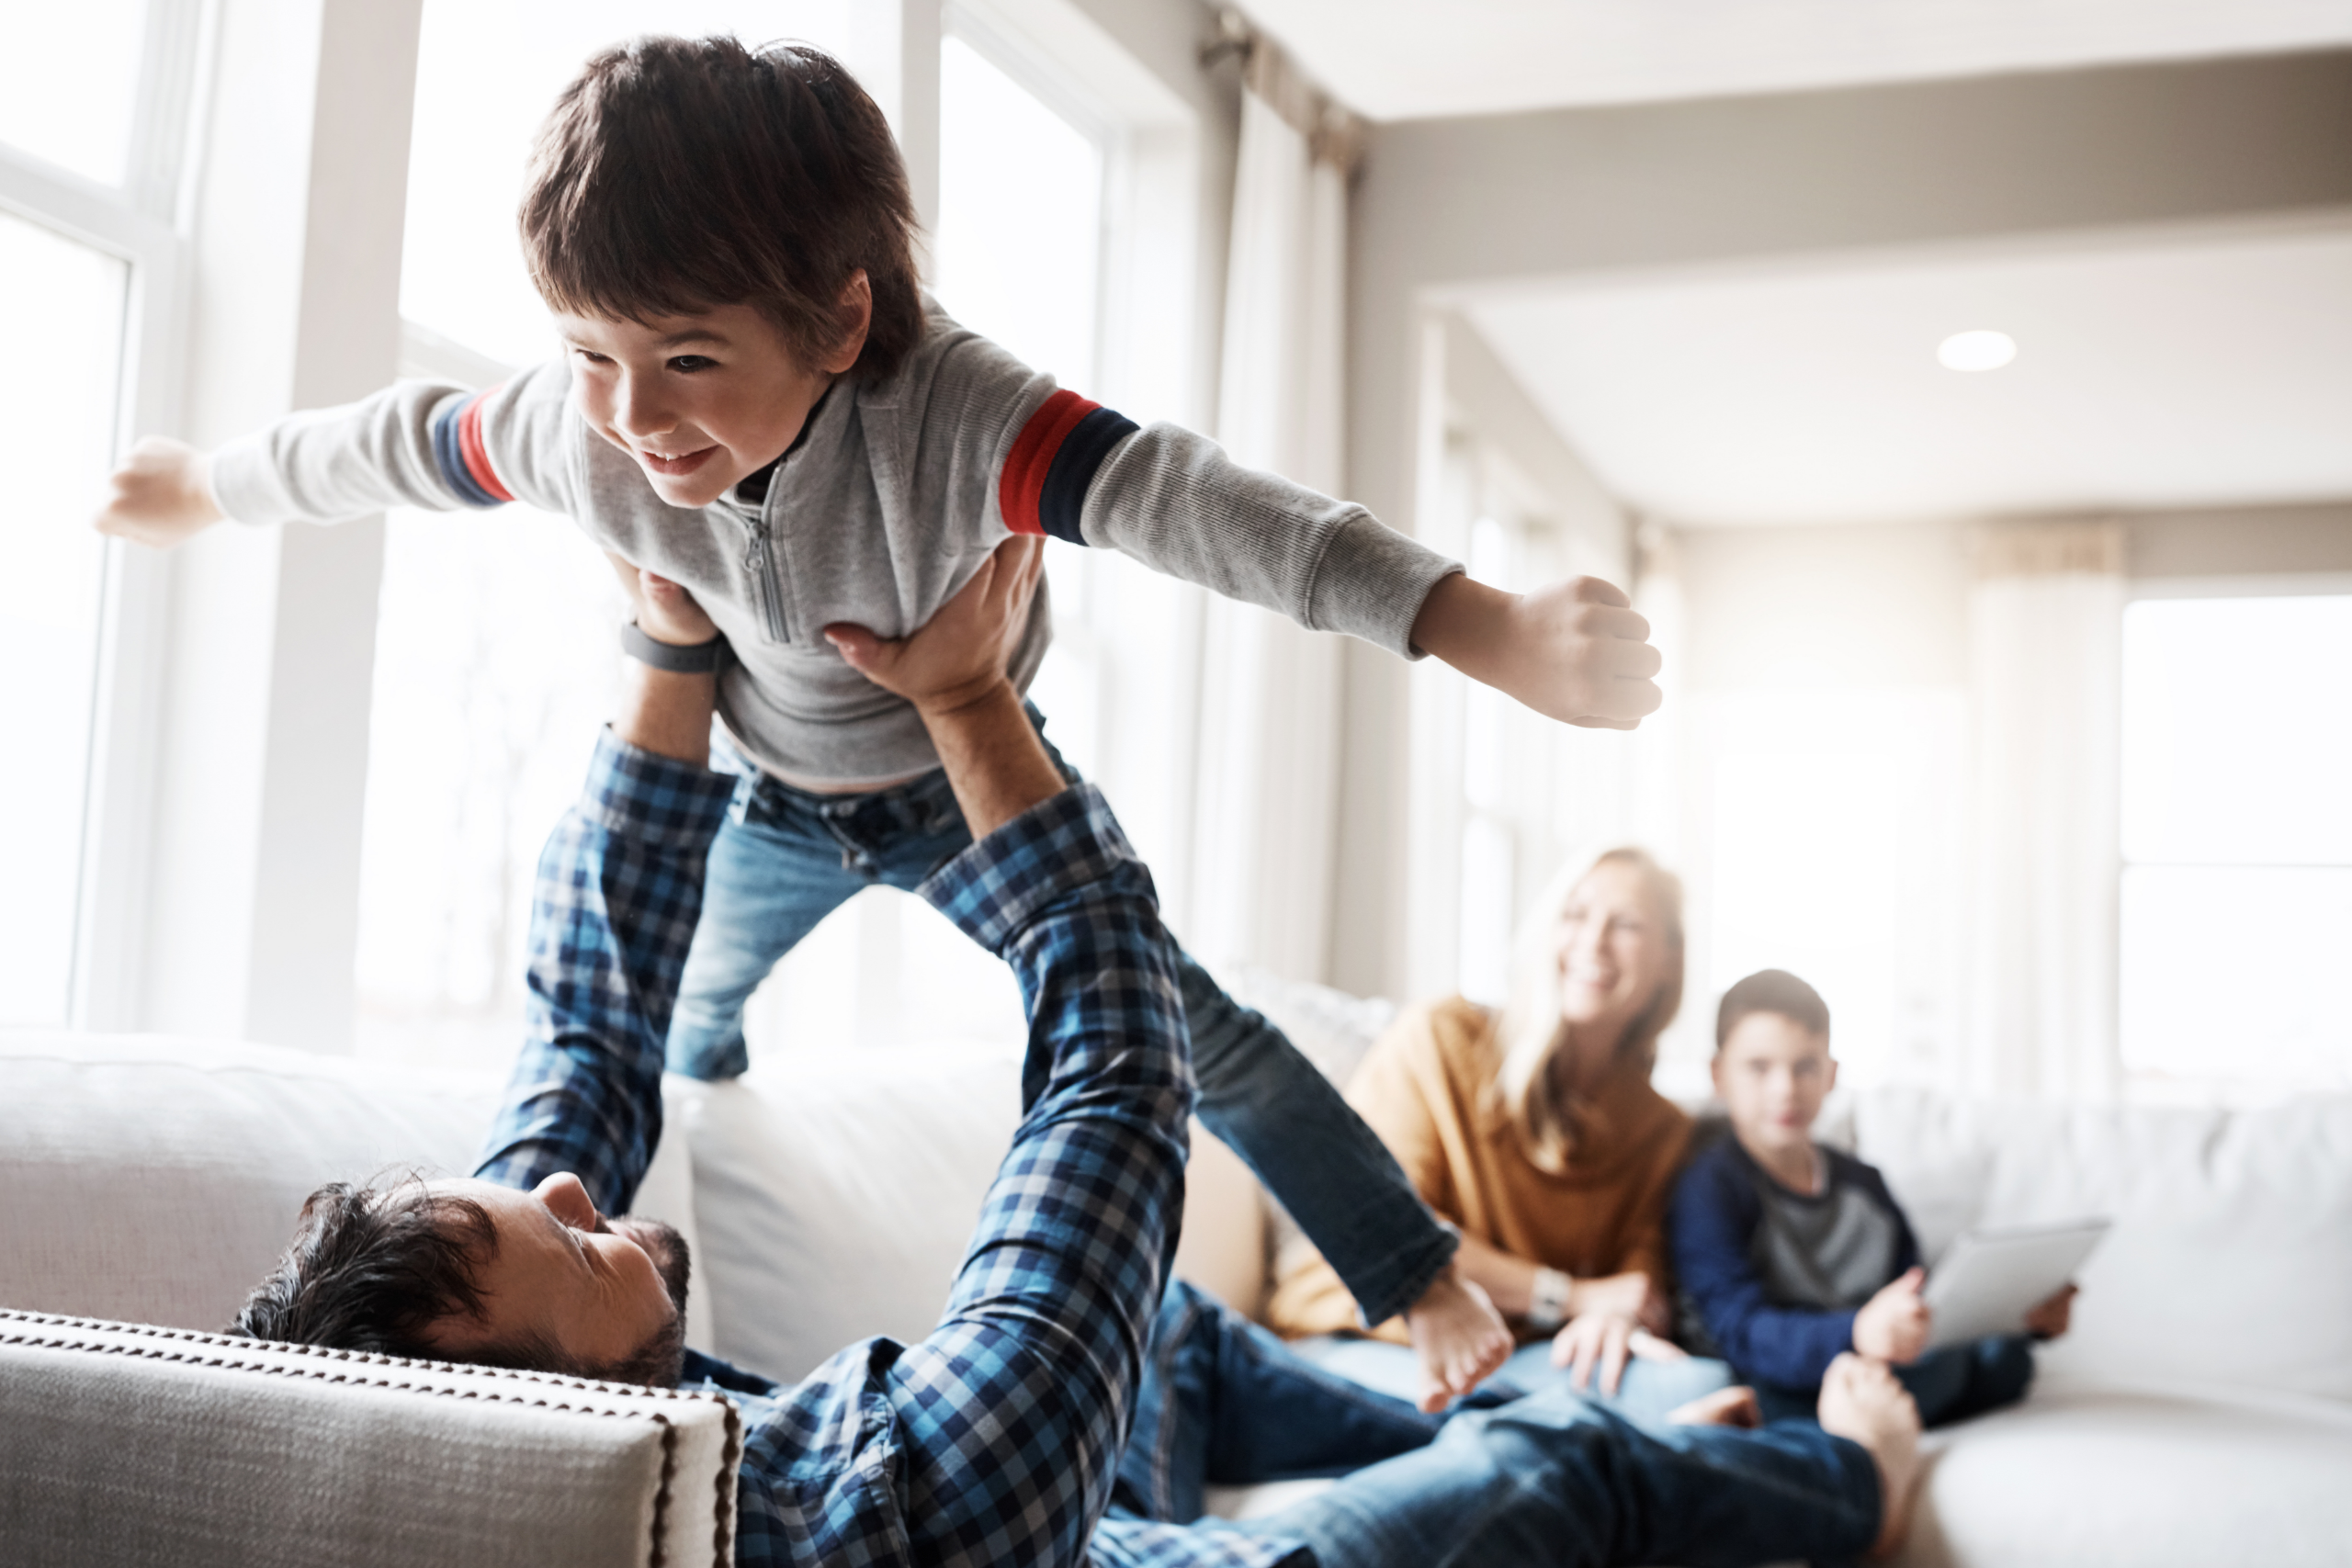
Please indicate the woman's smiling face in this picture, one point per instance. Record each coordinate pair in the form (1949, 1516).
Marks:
(1613, 949)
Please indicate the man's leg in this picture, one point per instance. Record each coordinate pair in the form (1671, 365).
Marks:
(1224, 1402)
(1556, 1480)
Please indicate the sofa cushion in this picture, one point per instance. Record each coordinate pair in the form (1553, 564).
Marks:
(155, 1179)
(2088, 1479)
(137, 1445)
(2231, 1260)
(835, 1198)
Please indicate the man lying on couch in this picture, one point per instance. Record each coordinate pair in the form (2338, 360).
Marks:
(1072, 1402)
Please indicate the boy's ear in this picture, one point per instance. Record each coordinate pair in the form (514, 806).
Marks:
(1833, 1076)
(856, 314)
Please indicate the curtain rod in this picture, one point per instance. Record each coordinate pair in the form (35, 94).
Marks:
(1334, 132)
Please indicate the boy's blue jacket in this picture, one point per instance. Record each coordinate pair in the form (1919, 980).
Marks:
(897, 491)
(1711, 1224)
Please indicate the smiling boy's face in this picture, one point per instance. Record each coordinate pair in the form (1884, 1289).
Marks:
(700, 400)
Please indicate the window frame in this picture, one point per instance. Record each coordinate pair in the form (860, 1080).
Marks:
(143, 223)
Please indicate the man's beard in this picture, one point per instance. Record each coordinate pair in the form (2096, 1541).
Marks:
(659, 1360)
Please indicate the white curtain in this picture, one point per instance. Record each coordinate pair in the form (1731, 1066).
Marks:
(2044, 631)
(1270, 727)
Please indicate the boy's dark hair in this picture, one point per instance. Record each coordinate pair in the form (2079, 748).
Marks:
(1773, 991)
(677, 175)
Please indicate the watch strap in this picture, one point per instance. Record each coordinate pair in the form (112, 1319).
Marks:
(694, 659)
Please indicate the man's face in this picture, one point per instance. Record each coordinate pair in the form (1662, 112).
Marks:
(1773, 1075)
(699, 400)
(601, 1293)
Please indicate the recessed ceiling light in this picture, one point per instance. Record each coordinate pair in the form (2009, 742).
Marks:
(1977, 351)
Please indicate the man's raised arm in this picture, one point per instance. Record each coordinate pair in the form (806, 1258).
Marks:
(1000, 1434)
(619, 891)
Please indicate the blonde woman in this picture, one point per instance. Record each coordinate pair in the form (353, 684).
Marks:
(1535, 1130)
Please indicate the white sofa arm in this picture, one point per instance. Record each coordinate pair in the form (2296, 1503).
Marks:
(130, 1444)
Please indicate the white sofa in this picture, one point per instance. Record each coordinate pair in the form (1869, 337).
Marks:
(2202, 1412)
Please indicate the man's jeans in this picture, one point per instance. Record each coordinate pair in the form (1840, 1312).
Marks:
(788, 858)
(1647, 1393)
(1554, 1479)
(1950, 1384)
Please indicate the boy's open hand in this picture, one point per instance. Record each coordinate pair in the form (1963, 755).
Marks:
(1574, 651)
(163, 494)
(1893, 1324)
(961, 653)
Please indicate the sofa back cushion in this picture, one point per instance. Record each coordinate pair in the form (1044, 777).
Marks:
(155, 1179)
(137, 1445)
(2231, 1260)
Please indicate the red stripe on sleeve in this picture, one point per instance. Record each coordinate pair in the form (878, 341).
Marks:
(477, 458)
(1033, 450)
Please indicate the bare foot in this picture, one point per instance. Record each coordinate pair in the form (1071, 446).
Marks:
(1861, 1400)
(1734, 1406)
(1459, 1336)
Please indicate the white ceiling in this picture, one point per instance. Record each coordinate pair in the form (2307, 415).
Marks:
(1402, 59)
(2214, 370)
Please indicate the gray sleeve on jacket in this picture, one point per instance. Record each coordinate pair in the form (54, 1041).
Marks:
(400, 447)
(1174, 501)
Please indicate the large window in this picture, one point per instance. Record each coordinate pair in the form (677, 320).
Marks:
(88, 169)
(495, 662)
(1827, 846)
(2237, 898)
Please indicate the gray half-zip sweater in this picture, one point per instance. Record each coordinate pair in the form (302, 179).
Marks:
(898, 490)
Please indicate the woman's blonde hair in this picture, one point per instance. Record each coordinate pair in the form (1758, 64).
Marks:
(1531, 1032)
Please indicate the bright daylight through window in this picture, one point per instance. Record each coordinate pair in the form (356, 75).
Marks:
(2237, 845)
(495, 662)
(56, 437)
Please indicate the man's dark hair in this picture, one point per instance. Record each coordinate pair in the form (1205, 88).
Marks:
(374, 1266)
(677, 175)
(1773, 991)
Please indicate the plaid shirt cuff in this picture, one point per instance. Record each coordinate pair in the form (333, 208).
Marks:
(652, 799)
(993, 890)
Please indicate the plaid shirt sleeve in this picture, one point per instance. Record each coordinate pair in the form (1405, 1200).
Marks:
(619, 890)
(996, 1439)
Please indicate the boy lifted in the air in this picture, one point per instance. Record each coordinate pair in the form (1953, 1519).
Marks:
(757, 402)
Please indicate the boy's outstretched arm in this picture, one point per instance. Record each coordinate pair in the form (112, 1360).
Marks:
(1575, 650)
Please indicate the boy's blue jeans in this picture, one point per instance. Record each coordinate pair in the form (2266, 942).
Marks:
(1554, 1479)
(786, 858)
(1950, 1384)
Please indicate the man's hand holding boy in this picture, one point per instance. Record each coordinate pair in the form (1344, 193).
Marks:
(953, 669)
(1893, 1324)
(1574, 651)
(163, 495)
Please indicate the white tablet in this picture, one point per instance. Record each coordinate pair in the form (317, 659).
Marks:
(1990, 1280)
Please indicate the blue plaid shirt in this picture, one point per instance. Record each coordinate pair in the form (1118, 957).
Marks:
(996, 1439)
